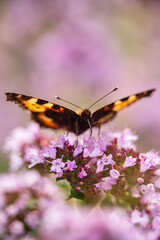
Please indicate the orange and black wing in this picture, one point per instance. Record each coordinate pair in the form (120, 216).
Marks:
(47, 114)
(108, 112)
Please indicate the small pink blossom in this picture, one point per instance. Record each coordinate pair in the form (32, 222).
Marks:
(114, 174)
(82, 173)
(57, 166)
(86, 153)
(101, 144)
(88, 143)
(77, 150)
(71, 165)
(16, 162)
(21, 136)
(32, 218)
(59, 143)
(149, 160)
(156, 223)
(157, 182)
(108, 159)
(96, 152)
(105, 160)
(99, 185)
(138, 217)
(16, 228)
(100, 165)
(129, 161)
(145, 163)
(126, 139)
(140, 180)
(147, 189)
(34, 156)
(49, 151)
(157, 172)
(108, 182)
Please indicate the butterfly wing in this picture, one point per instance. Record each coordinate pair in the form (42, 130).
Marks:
(47, 114)
(108, 112)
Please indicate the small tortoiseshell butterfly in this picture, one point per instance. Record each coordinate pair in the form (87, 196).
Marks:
(54, 116)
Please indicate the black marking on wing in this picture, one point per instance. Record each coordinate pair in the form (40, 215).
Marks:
(108, 112)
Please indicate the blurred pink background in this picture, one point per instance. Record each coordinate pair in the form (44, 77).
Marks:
(80, 50)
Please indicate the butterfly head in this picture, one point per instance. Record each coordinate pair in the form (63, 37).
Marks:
(85, 114)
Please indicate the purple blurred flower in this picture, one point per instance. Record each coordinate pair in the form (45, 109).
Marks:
(149, 160)
(67, 223)
(34, 156)
(138, 217)
(23, 143)
(24, 197)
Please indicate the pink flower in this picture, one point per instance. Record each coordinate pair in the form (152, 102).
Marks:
(78, 150)
(86, 153)
(149, 160)
(96, 152)
(147, 189)
(157, 182)
(129, 161)
(125, 139)
(114, 174)
(21, 136)
(60, 141)
(140, 180)
(108, 159)
(99, 185)
(49, 151)
(82, 173)
(157, 172)
(71, 165)
(105, 160)
(32, 218)
(138, 217)
(100, 165)
(16, 162)
(156, 223)
(16, 228)
(34, 156)
(145, 163)
(88, 143)
(57, 166)
(108, 182)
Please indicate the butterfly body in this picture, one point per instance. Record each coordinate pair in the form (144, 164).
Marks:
(55, 116)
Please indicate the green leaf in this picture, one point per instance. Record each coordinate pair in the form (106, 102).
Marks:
(59, 178)
(78, 195)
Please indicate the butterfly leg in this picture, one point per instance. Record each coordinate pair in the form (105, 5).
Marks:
(76, 126)
(99, 128)
(90, 128)
(67, 133)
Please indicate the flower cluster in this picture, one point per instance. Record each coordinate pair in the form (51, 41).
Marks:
(22, 140)
(23, 200)
(68, 223)
(108, 169)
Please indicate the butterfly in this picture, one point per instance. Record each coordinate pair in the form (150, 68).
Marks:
(55, 116)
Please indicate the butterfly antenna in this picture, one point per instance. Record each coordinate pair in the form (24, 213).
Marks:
(67, 102)
(103, 97)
